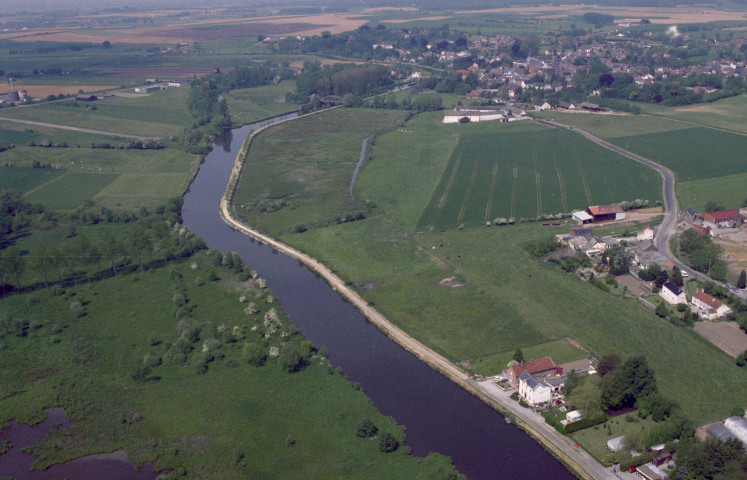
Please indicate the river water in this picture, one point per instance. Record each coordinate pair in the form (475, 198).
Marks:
(438, 415)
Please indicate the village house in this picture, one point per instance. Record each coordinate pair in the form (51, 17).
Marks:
(708, 307)
(646, 234)
(672, 294)
(539, 368)
(539, 390)
(686, 218)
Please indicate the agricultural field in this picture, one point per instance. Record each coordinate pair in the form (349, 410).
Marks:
(24, 178)
(526, 170)
(249, 105)
(69, 190)
(116, 178)
(162, 113)
(692, 152)
(298, 173)
(497, 308)
(731, 192)
(726, 114)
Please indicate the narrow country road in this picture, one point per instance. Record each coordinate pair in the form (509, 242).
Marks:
(668, 225)
(78, 129)
(562, 447)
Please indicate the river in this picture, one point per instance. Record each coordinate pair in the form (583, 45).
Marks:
(438, 415)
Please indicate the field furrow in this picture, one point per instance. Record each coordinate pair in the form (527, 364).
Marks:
(490, 193)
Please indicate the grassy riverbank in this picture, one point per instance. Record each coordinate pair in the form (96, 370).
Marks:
(107, 353)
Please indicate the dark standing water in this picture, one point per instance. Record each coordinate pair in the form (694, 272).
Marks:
(438, 415)
(15, 463)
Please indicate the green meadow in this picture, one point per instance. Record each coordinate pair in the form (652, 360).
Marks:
(727, 113)
(692, 152)
(508, 300)
(70, 190)
(24, 178)
(730, 192)
(163, 113)
(298, 173)
(248, 105)
(79, 346)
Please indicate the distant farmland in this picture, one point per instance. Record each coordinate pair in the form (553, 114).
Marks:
(527, 171)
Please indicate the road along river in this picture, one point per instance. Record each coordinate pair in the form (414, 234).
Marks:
(439, 415)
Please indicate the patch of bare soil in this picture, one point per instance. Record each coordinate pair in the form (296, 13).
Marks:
(725, 335)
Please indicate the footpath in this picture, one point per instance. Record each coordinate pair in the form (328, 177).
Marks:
(562, 447)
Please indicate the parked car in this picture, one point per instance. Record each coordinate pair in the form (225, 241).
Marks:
(685, 274)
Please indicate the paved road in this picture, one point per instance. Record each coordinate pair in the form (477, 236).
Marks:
(669, 224)
(77, 129)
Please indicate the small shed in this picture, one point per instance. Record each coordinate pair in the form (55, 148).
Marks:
(616, 444)
(581, 217)
(573, 416)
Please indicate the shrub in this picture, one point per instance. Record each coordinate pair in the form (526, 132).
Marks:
(387, 442)
(742, 359)
(150, 361)
(174, 356)
(366, 429)
(290, 358)
(254, 354)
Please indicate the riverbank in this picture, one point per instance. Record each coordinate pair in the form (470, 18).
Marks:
(561, 447)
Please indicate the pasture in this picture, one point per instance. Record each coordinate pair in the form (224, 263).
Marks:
(249, 105)
(162, 113)
(526, 170)
(299, 172)
(121, 178)
(24, 178)
(727, 113)
(70, 190)
(729, 191)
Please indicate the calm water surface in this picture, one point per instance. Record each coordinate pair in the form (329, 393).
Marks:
(438, 415)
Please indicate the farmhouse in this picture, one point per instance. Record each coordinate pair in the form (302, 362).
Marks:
(566, 106)
(540, 368)
(86, 98)
(591, 106)
(484, 114)
(722, 218)
(603, 213)
(672, 293)
(708, 307)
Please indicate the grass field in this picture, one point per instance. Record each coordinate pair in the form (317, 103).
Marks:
(68, 191)
(727, 113)
(248, 105)
(729, 191)
(510, 300)
(302, 169)
(120, 178)
(235, 421)
(162, 113)
(561, 351)
(526, 170)
(594, 439)
(692, 152)
(24, 179)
